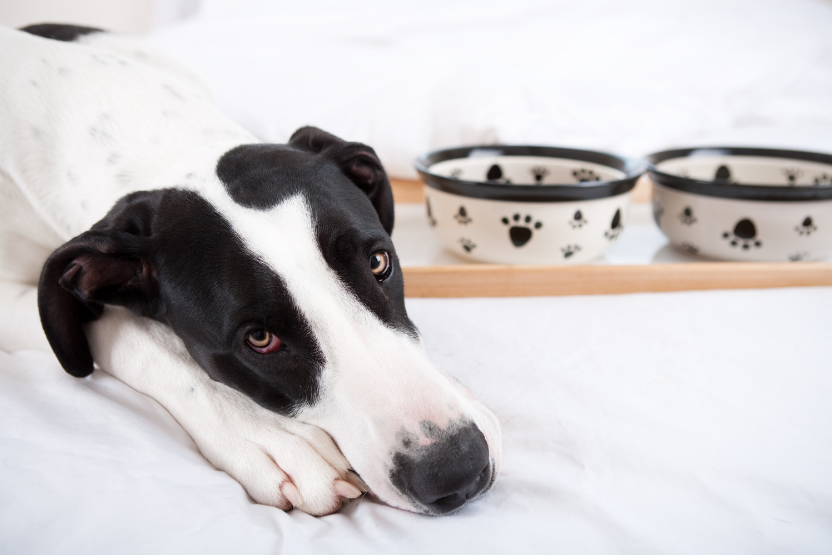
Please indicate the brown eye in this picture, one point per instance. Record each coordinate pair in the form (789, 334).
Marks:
(380, 264)
(263, 341)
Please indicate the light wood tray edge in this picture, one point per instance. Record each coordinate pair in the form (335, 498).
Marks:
(483, 280)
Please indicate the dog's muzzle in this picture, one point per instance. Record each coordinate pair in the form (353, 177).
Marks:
(444, 475)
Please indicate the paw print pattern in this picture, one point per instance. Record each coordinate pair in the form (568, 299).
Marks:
(583, 175)
(658, 211)
(539, 172)
(744, 235)
(806, 227)
(431, 219)
(693, 249)
(615, 226)
(569, 250)
(456, 173)
(462, 216)
(495, 175)
(578, 221)
(520, 230)
(467, 244)
(792, 175)
(798, 256)
(723, 174)
(686, 216)
(823, 179)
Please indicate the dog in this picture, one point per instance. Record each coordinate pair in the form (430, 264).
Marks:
(251, 289)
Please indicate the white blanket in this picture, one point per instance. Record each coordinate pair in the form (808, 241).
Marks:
(653, 423)
(629, 76)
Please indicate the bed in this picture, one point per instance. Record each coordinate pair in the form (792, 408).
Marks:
(690, 422)
(700, 426)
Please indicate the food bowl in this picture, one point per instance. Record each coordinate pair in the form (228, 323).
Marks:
(527, 204)
(744, 203)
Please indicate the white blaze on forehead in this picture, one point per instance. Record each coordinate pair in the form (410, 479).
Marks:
(283, 238)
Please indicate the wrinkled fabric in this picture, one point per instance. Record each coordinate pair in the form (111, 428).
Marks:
(696, 422)
(627, 76)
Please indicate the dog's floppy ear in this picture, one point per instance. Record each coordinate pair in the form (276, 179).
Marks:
(109, 264)
(358, 161)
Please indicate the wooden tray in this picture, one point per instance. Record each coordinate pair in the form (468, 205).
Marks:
(497, 280)
(527, 281)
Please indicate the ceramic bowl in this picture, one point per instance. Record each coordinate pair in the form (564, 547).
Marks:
(733, 203)
(527, 204)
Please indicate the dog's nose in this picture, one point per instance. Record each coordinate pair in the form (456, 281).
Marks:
(447, 473)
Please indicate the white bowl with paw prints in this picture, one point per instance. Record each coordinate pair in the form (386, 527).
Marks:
(745, 204)
(527, 204)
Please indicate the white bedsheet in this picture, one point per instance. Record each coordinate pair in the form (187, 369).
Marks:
(628, 76)
(651, 423)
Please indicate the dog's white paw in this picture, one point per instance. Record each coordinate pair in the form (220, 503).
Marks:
(278, 460)
(283, 464)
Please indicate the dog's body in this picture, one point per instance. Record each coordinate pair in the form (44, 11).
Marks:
(228, 280)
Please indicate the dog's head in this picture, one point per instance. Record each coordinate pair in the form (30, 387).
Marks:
(278, 273)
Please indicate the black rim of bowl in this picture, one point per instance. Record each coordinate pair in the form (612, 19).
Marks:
(740, 191)
(532, 193)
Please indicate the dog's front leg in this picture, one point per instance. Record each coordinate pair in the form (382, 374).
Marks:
(279, 461)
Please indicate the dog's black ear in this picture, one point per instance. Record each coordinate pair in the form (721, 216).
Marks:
(109, 264)
(358, 161)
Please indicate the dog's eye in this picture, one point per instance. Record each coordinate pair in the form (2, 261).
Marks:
(264, 342)
(380, 264)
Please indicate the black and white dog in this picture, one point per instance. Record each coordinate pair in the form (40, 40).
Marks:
(251, 289)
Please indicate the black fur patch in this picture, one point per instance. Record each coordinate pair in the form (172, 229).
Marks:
(169, 255)
(59, 31)
(348, 219)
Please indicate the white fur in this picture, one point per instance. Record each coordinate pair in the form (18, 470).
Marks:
(149, 124)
